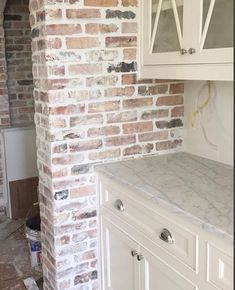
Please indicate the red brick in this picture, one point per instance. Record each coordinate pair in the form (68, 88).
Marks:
(121, 41)
(53, 13)
(104, 106)
(82, 42)
(137, 149)
(130, 53)
(128, 79)
(166, 145)
(56, 84)
(153, 90)
(103, 131)
(85, 145)
(67, 110)
(95, 28)
(56, 70)
(82, 191)
(153, 136)
(120, 140)
(133, 150)
(122, 117)
(155, 114)
(101, 3)
(62, 148)
(85, 69)
(107, 154)
(137, 103)
(127, 3)
(60, 173)
(54, 43)
(63, 29)
(170, 100)
(129, 27)
(177, 111)
(137, 127)
(82, 13)
(64, 240)
(68, 159)
(177, 88)
(86, 120)
(119, 92)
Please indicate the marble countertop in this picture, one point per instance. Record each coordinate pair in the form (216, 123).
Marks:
(196, 188)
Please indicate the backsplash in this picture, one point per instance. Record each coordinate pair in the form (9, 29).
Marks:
(217, 119)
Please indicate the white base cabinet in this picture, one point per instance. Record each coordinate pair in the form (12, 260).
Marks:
(145, 247)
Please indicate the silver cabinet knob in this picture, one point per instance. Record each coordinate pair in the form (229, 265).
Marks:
(134, 253)
(140, 257)
(166, 236)
(183, 51)
(119, 205)
(192, 50)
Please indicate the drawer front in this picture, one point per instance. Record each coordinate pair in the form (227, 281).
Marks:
(185, 243)
(219, 268)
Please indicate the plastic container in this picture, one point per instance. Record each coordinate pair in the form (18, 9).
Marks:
(33, 235)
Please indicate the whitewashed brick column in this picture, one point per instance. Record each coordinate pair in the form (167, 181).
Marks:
(90, 108)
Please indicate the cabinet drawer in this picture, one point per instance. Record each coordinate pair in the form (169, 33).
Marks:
(219, 268)
(151, 224)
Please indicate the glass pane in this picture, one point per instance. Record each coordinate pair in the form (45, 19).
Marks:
(220, 31)
(206, 4)
(166, 38)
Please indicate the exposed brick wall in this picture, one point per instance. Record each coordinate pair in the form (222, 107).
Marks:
(4, 102)
(19, 63)
(90, 108)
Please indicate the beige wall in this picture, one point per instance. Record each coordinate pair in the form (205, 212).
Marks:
(217, 120)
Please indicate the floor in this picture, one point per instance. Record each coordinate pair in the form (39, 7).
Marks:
(14, 256)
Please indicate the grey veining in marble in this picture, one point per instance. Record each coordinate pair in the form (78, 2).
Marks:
(199, 189)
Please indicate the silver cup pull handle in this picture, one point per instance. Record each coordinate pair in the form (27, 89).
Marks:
(140, 257)
(119, 205)
(183, 51)
(192, 50)
(166, 236)
(134, 253)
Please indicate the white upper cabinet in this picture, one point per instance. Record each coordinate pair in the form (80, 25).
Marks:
(188, 39)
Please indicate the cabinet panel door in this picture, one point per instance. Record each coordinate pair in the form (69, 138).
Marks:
(157, 275)
(119, 267)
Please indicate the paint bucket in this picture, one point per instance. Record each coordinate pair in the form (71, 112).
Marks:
(33, 234)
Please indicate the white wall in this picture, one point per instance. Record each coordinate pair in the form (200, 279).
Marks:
(20, 152)
(217, 120)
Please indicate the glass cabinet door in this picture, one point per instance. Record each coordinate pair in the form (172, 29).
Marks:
(217, 24)
(216, 32)
(163, 31)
